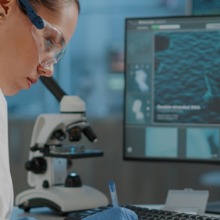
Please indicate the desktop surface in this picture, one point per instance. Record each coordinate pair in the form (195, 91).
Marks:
(38, 213)
(153, 212)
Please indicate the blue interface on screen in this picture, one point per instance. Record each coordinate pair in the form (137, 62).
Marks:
(172, 89)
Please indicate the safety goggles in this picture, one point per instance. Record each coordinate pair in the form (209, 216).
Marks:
(49, 41)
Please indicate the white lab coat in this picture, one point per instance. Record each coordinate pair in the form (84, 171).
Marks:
(6, 187)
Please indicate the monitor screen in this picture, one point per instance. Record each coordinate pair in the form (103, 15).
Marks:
(172, 89)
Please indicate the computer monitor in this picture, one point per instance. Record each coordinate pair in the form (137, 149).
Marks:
(172, 89)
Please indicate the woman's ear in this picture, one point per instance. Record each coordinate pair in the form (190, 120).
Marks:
(4, 9)
(4, 6)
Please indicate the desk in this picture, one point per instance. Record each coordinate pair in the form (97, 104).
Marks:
(47, 214)
(38, 213)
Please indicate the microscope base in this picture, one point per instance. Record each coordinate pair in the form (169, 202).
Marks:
(62, 199)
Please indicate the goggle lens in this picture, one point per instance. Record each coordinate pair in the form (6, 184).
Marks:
(50, 44)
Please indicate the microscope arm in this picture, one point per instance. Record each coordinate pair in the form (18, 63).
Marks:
(53, 87)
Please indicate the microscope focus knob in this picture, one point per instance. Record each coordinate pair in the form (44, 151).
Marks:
(37, 165)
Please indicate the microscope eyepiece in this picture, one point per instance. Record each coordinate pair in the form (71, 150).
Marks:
(74, 134)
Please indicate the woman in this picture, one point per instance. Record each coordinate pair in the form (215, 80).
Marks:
(33, 38)
(22, 61)
(28, 52)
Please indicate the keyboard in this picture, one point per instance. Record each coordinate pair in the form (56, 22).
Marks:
(143, 214)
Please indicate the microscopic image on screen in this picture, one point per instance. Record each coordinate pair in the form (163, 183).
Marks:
(202, 143)
(185, 90)
(139, 78)
(165, 146)
(137, 112)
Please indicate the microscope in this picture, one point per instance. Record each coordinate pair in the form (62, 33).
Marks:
(51, 151)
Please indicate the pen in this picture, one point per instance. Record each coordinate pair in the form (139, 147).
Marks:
(113, 193)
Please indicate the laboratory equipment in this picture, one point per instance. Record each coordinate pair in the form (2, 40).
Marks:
(53, 146)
